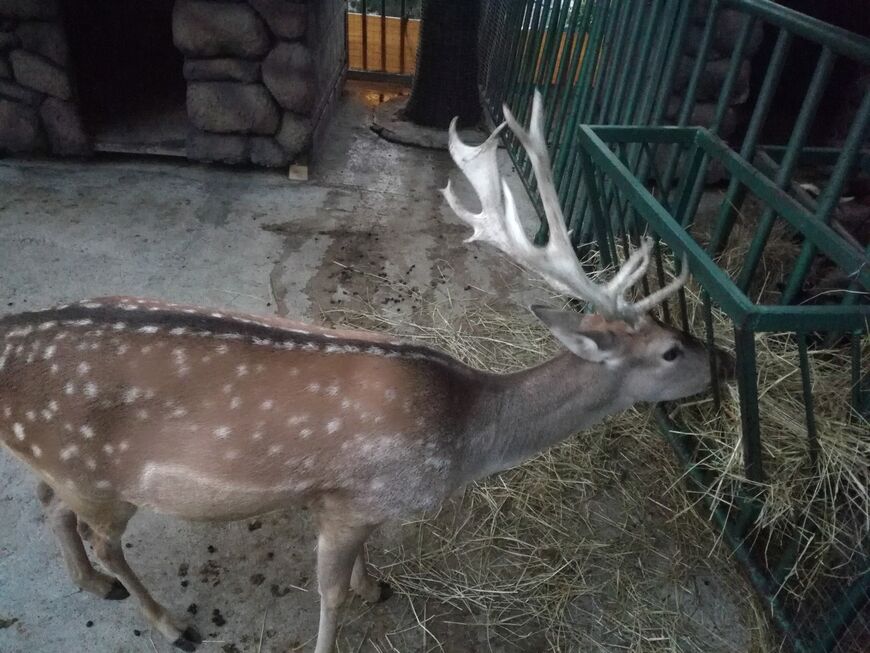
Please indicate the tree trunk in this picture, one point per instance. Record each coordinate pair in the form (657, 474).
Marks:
(445, 84)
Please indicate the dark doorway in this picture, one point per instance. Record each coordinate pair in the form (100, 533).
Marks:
(128, 74)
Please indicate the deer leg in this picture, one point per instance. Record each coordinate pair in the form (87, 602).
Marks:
(64, 524)
(366, 586)
(106, 539)
(338, 546)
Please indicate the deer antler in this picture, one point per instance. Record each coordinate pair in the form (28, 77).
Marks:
(498, 223)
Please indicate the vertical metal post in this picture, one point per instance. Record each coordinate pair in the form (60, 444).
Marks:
(384, 35)
(403, 26)
(365, 36)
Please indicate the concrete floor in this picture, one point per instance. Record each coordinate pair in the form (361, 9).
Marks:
(242, 239)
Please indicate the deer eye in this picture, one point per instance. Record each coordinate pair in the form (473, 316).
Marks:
(672, 353)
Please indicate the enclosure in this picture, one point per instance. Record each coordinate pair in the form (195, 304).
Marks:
(733, 131)
(778, 463)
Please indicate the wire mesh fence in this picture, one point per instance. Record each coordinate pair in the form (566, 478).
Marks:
(780, 459)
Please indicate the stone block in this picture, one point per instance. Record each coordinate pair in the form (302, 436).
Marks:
(711, 80)
(63, 127)
(37, 73)
(29, 9)
(19, 128)
(215, 29)
(294, 134)
(221, 148)
(47, 39)
(228, 107)
(265, 151)
(238, 70)
(18, 93)
(287, 74)
(8, 41)
(286, 19)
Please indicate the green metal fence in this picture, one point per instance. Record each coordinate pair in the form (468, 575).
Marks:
(607, 70)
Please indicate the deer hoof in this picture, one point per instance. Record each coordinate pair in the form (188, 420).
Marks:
(386, 591)
(184, 644)
(192, 634)
(117, 592)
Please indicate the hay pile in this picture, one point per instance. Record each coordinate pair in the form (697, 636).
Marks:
(591, 546)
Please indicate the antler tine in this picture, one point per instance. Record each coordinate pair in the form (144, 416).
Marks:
(556, 262)
(632, 270)
(651, 301)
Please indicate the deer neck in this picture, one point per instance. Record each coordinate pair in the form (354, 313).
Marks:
(522, 414)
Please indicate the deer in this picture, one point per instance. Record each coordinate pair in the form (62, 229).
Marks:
(122, 403)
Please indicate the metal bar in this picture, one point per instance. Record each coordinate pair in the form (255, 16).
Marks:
(788, 164)
(736, 191)
(839, 40)
(384, 35)
(365, 35)
(825, 238)
(725, 294)
(403, 26)
(830, 196)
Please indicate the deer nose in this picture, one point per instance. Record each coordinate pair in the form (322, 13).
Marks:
(725, 364)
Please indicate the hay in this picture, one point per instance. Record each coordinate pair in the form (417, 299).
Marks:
(590, 546)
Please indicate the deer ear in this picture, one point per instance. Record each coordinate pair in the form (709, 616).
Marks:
(594, 345)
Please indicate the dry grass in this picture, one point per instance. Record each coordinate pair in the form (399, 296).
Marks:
(590, 546)
(594, 545)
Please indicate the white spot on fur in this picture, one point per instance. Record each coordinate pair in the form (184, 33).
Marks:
(83, 368)
(37, 451)
(275, 449)
(54, 368)
(146, 349)
(179, 412)
(86, 431)
(222, 432)
(18, 429)
(90, 463)
(109, 449)
(262, 341)
(131, 395)
(227, 389)
(122, 349)
(69, 388)
(235, 402)
(123, 445)
(90, 304)
(293, 420)
(267, 405)
(148, 329)
(304, 433)
(119, 326)
(332, 390)
(103, 484)
(90, 389)
(49, 352)
(45, 326)
(30, 415)
(178, 331)
(47, 415)
(53, 406)
(142, 414)
(68, 452)
(241, 370)
(313, 387)
(389, 394)
(333, 425)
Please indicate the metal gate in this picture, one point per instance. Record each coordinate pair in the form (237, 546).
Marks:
(607, 71)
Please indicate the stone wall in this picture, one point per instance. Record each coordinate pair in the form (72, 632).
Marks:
(261, 76)
(38, 111)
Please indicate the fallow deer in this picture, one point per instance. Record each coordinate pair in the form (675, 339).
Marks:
(123, 403)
